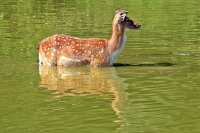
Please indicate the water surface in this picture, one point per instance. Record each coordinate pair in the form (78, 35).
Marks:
(154, 87)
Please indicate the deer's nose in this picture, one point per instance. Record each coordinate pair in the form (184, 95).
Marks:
(137, 25)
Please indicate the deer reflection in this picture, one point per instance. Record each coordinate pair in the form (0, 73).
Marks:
(83, 81)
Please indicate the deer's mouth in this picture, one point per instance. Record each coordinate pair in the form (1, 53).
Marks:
(131, 24)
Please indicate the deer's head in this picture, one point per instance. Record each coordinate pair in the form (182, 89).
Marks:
(121, 18)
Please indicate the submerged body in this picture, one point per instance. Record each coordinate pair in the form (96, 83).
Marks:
(65, 50)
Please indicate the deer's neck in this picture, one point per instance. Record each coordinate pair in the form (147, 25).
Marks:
(117, 39)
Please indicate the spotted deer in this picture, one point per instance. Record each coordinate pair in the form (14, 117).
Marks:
(65, 50)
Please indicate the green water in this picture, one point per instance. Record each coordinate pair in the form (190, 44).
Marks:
(158, 92)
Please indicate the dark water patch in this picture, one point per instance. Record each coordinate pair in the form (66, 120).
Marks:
(164, 64)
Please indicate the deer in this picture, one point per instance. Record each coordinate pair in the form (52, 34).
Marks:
(66, 50)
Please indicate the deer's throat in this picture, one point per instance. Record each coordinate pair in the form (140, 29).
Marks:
(116, 42)
(117, 39)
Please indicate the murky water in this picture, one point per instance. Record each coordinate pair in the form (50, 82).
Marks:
(155, 89)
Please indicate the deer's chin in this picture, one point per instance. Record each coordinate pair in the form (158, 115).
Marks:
(130, 24)
(134, 26)
(137, 26)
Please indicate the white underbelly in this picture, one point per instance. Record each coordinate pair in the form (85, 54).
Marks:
(65, 61)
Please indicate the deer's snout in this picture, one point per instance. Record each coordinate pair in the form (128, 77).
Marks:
(137, 26)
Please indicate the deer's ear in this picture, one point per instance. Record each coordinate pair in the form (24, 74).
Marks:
(117, 11)
(121, 10)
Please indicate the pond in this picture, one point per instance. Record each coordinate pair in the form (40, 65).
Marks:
(153, 88)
